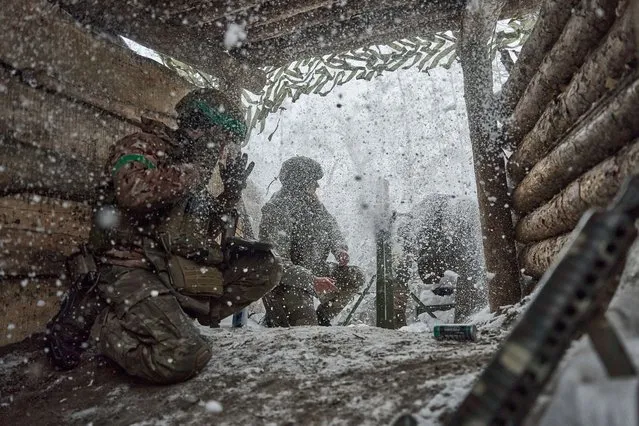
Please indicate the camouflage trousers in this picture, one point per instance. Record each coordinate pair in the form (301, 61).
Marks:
(146, 331)
(291, 303)
(143, 327)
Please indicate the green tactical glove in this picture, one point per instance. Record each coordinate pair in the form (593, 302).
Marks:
(234, 175)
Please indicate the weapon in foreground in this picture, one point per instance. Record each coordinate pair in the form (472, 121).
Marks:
(572, 298)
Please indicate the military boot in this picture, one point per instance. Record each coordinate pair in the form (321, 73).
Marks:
(68, 332)
(323, 316)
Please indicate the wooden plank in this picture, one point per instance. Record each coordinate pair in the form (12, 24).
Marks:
(26, 253)
(45, 215)
(46, 172)
(53, 122)
(38, 38)
(38, 233)
(26, 305)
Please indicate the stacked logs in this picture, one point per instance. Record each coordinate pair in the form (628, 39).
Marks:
(60, 112)
(575, 124)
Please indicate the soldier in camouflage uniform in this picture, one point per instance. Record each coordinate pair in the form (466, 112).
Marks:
(158, 260)
(303, 234)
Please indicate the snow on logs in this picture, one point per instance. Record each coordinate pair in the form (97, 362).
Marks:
(574, 148)
(596, 78)
(535, 259)
(552, 19)
(594, 188)
(601, 133)
(587, 25)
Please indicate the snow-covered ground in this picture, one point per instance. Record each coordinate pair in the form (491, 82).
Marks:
(356, 375)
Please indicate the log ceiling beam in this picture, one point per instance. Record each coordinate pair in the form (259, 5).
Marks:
(148, 23)
(277, 32)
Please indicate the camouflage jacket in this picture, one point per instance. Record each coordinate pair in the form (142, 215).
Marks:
(302, 231)
(148, 185)
(145, 188)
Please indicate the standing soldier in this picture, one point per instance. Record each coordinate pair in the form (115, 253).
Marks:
(157, 259)
(303, 234)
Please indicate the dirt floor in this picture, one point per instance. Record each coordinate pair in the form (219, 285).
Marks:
(309, 375)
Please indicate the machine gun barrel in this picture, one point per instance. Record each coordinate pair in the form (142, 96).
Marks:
(575, 291)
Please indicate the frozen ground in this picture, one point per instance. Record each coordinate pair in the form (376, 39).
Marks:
(356, 375)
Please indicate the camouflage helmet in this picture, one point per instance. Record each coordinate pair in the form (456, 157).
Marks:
(300, 171)
(206, 107)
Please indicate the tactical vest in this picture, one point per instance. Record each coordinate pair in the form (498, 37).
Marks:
(177, 241)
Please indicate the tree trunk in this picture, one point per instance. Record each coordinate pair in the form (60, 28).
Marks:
(595, 188)
(598, 76)
(45, 172)
(597, 136)
(635, 19)
(492, 192)
(536, 258)
(552, 19)
(584, 30)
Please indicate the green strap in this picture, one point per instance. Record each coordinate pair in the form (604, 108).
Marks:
(221, 119)
(129, 158)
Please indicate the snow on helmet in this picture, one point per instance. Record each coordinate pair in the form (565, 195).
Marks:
(300, 171)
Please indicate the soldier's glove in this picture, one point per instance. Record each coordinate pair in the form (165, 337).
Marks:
(234, 175)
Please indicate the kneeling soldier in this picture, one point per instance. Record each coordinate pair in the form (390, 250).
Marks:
(303, 233)
(157, 260)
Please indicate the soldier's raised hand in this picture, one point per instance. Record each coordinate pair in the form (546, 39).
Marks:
(234, 175)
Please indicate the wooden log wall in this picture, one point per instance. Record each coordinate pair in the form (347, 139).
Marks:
(574, 127)
(65, 97)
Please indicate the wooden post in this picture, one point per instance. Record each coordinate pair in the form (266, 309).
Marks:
(492, 191)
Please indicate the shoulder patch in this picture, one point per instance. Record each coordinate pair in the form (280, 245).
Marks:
(129, 158)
